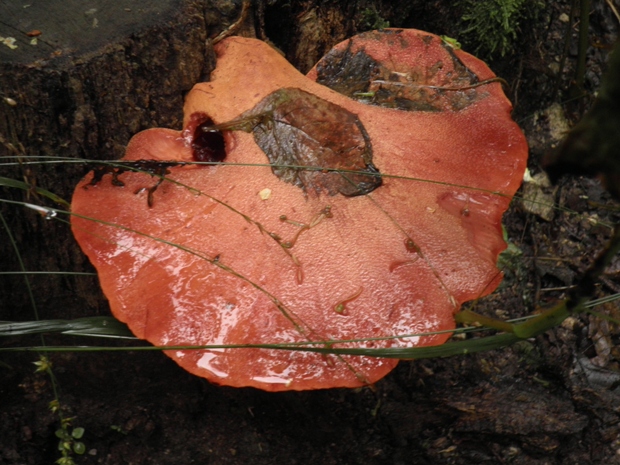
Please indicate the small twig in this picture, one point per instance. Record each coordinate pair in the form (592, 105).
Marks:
(614, 9)
(584, 28)
(230, 30)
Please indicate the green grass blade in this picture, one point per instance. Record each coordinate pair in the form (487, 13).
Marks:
(445, 350)
(102, 326)
(14, 183)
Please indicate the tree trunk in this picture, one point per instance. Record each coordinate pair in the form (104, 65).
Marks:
(77, 83)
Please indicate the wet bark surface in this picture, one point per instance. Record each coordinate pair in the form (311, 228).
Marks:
(553, 399)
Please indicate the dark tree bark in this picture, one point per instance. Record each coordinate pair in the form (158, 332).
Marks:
(96, 76)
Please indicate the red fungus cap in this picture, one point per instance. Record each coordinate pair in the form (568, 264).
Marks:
(247, 253)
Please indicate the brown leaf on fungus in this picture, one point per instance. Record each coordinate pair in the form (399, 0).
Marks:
(295, 129)
(216, 262)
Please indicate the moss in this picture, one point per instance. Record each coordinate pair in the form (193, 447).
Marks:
(491, 27)
(371, 19)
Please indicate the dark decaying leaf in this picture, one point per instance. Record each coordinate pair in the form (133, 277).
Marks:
(433, 80)
(348, 73)
(297, 129)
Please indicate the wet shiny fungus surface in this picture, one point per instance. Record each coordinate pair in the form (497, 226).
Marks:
(373, 240)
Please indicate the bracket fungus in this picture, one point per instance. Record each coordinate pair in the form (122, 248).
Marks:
(323, 217)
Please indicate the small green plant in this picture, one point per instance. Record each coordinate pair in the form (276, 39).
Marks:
(492, 26)
(371, 19)
(68, 443)
(68, 437)
(455, 44)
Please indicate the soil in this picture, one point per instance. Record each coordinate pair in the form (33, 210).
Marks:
(553, 399)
